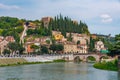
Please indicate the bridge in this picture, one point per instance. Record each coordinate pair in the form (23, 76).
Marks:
(67, 57)
(84, 57)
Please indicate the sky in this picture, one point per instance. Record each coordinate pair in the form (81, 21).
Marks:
(101, 16)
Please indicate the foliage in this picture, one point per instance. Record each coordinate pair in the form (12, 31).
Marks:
(44, 49)
(91, 58)
(10, 26)
(59, 60)
(41, 31)
(92, 44)
(14, 47)
(9, 22)
(115, 49)
(69, 38)
(65, 24)
(107, 65)
(6, 51)
(56, 47)
(34, 46)
(78, 42)
(48, 41)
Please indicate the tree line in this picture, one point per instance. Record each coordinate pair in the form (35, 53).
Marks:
(66, 24)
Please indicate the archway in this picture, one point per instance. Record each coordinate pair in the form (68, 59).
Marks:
(103, 57)
(90, 59)
(77, 59)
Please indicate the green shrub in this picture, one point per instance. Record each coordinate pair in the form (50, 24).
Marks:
(91, 58)
(112, 65)
(59, 60)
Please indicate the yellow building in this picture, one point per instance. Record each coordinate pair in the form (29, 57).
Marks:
(58, 37)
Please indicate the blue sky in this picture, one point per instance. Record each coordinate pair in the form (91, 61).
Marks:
(101, 16)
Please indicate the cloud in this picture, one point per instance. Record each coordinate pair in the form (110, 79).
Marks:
(8, 7)
(106, 18)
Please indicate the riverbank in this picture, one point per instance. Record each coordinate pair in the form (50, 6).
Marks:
(21, 61)
(111, 65)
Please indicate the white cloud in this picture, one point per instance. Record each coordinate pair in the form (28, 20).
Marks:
(106, 18)
(8, 7)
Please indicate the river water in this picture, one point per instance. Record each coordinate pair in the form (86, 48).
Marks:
(57, 71)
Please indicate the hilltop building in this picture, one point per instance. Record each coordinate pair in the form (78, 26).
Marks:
(46, 21)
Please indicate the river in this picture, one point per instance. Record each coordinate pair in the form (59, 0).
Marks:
(56, 71)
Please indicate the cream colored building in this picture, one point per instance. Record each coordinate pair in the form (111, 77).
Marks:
(3, 45)
(83, 38)
(99, 45)
(73, 48)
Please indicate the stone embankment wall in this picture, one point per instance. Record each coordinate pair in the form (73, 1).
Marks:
(7, 61)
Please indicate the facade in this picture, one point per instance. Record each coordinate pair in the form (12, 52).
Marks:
(70, 47)
(83, 48)
(31, 25)
(10, 39)
(75, 22)
(46, 21)
(4, 42)
(58, 36)
(3, 45)
(94, 36)
(36, 41)
(99, 45)
(83, 38)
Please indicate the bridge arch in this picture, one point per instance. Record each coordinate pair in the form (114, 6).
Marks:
(77, 59)
(103, 57)
(90, 58)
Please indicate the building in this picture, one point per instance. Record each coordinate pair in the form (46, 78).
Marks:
(70, 47)
(36, 41)
(46, 21)
(10, 39)
(75, 22)
(99, 45)
(31, 25)
(94, 36)
(4, 42)
(83, 38)
(3, 45)
(83, 48)
(58, 36)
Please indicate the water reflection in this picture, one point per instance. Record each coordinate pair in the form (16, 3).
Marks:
(119, 75)
(13, 79)
(57, 71)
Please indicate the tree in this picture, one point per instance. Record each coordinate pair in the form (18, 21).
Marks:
(48, 41)
(78, 42)
(53, 47)
(44, 49)
(59, 47)
(34, 47)
(69, 37)
(117, 45)
(56, 47)
(21, 49)
(15, 47)
(92, 44)
(115, 49)
(6, 51)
